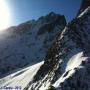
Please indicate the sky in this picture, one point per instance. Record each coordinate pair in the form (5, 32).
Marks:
(24, 10)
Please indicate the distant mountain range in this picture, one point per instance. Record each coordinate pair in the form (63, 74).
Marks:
(59, 51)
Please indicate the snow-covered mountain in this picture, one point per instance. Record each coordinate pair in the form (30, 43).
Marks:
(29, 42)
(66, 65)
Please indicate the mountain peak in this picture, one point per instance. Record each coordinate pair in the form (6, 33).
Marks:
(52, 14)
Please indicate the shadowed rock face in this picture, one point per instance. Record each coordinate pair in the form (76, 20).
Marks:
(18, 42)
(84, 5)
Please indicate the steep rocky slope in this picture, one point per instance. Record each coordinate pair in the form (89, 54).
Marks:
(84, 5)
(29, 42)
(67, 62)
(68, 59)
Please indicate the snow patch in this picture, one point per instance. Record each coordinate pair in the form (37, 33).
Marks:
(73, 63)
(23, 79)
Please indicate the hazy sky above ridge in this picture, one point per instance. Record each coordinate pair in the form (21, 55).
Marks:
(24, 10)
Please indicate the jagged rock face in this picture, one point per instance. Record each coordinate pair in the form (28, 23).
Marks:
(84, 5)
(64, 59)
(28, 43)
(80, 79)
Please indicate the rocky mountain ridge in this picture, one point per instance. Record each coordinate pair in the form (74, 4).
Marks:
(28, 43)
(67, 63)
